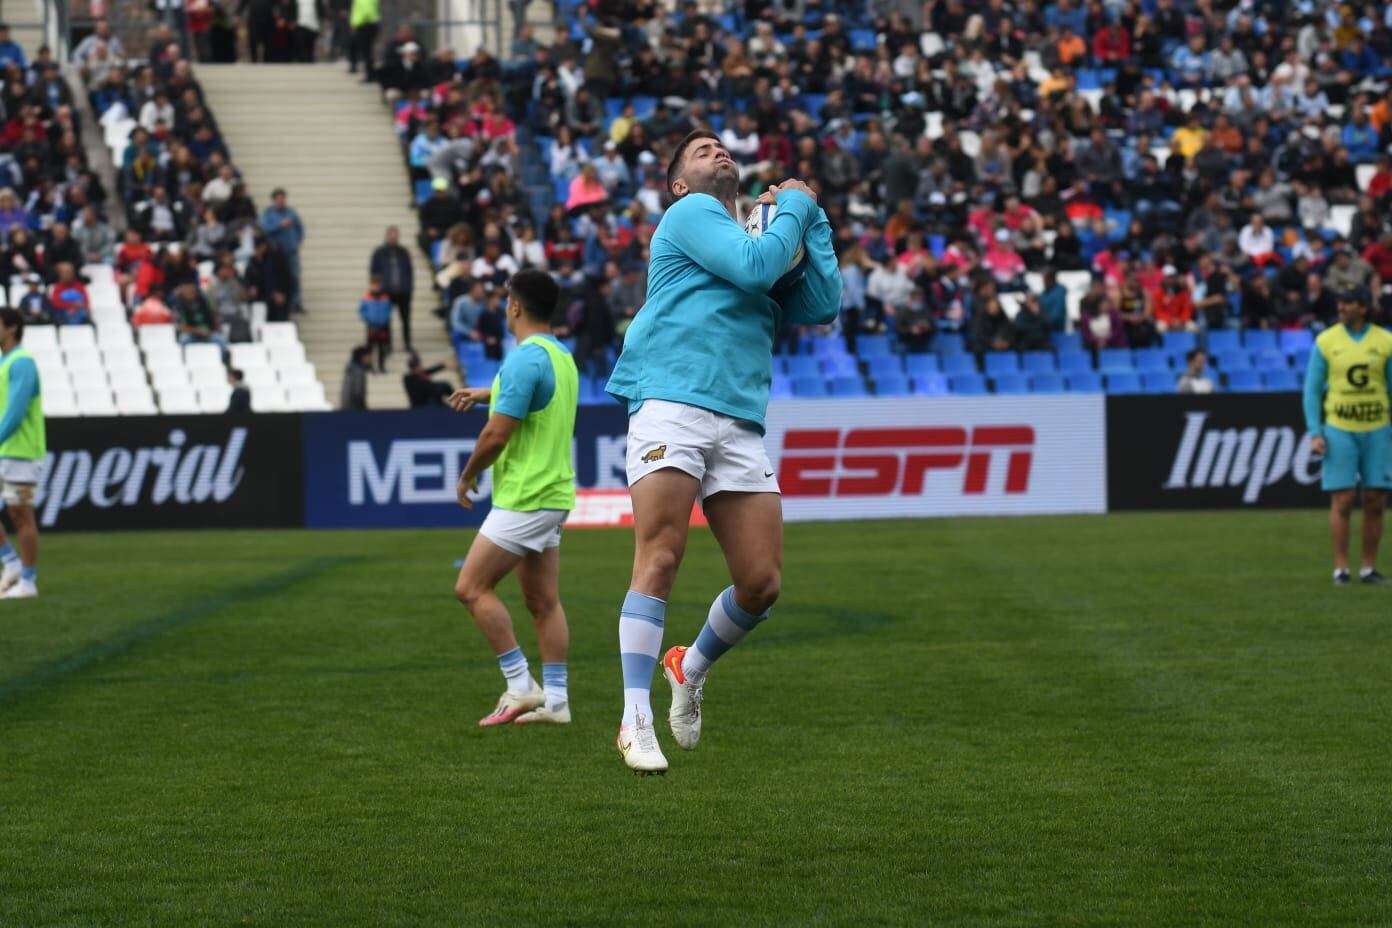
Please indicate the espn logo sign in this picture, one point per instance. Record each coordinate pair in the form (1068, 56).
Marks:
(898, 461)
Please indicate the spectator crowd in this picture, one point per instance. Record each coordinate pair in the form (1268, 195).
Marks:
(1203, 165)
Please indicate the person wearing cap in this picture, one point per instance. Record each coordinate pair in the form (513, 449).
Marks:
(34, 305)
(1347, 380)
(613, 171)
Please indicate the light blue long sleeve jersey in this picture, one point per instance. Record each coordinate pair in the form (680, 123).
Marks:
(1317, 378)
(705, 336)
(24, 386)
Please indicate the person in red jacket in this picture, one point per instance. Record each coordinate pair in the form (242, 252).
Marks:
(1172, 303)
(1112, 44)
(68, 295)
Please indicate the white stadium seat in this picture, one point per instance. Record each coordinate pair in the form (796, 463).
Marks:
(39, 337)
(114, 335)
(204, 355)
(279, 333)
(178, 402)
(96, 403)
(82, 356)
(161, 355)
(59, 405)
(286, 354)
(121, 356)
(268, 399)
(128, 404)
(1341, 219)
(99, 274)
(86, 379)
(127, 378)
(149, 335)
(308, 397)
(298, 374)
(249, 354)
(77, 336)
(1365, 174)
(213, 399)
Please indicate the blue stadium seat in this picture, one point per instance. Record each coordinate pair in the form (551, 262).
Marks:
(1124, 382)
(1281, 381)
(848, 386)
(781, 388)
(840, 365)
(1152, 359)
(1115, 360)
(891, 386)
(644, 107)
(1221, 341)
(1002, 362)
(918, 364)
(1038, 362)
(1255, 340)
(801, 365)
(613, 107)
(481, 373)
(967, 384)
(1068, 341)
(1299, 361)
(1233, 361)
(809, 387)
(949, 343)
(1294, 341)
(1158, 382)
(1246, 381)
(1088, 79)
(1084, 382)
(1046, 383)
(1271, 359)
(863, 40)
(959, 364)
(1179, 342)
(812, 104)
(825, 346)
(891, 365)
(1011, 383)
(1118, 224)
(423, 191)
(930, 385)
(728, 22)
(872, 346)
(1074, 362)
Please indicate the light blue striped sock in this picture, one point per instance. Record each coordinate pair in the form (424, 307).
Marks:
(514, 667)
(553, 680)
(640, 643)
(28, 574)
(726, 625)
(8, 554)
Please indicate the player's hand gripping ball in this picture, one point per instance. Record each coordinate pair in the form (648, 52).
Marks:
(756, 222)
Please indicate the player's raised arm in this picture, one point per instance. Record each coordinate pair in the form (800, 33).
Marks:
(701, 224)
(701, 228)
(816, 298)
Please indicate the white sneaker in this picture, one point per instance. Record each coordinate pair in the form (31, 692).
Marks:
(685, 714)
(557, 716)
(511, 705)
(638, 745)
(10, 576)
(24, 589)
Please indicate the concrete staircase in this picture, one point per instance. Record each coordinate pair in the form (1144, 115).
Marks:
(328, 140)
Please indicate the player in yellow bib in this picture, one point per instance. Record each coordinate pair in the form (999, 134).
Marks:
(1347, 379)
(23, 447)
(527, 441)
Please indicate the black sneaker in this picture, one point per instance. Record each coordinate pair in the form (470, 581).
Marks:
(1374, 578)
(1342, 578)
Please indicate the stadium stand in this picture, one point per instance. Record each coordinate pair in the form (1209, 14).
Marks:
(1171, 176)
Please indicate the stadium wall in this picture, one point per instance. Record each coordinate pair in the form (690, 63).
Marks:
(835, 459)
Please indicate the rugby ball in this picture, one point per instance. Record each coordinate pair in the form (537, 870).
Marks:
(756, 222)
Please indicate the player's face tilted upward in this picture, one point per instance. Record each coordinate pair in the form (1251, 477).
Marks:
(709, 167)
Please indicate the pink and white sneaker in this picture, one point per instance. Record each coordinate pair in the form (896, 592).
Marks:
(511, 705)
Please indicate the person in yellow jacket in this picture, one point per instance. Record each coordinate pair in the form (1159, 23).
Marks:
(23, 447)
(1347, 380)
(364, 19)
(527, 441)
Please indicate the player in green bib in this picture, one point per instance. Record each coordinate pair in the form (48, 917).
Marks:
(1348, 376)
(22, 451)
(527, 441)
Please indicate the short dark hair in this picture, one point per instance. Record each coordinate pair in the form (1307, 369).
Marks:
(1191, 354)
(537, 293)
(678, 161)
(236, 374)
(10, 318)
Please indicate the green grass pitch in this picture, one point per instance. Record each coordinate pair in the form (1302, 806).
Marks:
(1123, 720)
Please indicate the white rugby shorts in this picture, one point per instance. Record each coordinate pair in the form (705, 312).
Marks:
(520, 532)
(19, 480)
(724, 453)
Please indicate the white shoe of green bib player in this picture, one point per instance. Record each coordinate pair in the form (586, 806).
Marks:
(21, 590)
(638, 745)
(9, 577)
(560, 715)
